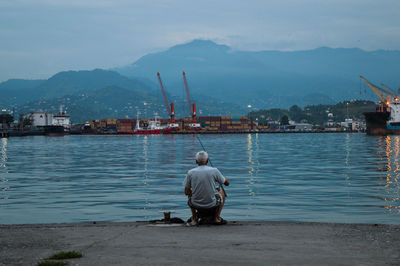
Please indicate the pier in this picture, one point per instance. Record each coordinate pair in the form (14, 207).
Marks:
(4, 134)
(237, 243)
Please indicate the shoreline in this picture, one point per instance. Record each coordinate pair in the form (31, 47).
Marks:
(160, 222)
(237, 243)
(27, 134)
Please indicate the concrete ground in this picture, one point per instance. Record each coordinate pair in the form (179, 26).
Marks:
(238, 243)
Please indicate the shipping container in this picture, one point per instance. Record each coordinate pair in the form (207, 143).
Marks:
(126, 120)
(204, 118)
(125, 124)
(111, 121)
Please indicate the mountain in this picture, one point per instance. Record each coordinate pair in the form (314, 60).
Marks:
(100, 94)
(69, 83)
(17, 91)
(222, 81)
(268, 79)
(117, 102)
(85, 81)
(88, 94)
(107, 102)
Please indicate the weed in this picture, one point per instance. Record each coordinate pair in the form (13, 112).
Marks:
(64, 255)
(52, 263)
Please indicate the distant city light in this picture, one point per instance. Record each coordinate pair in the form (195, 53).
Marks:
(249, 106)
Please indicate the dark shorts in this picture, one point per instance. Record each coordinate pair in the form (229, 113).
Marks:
(217, 197)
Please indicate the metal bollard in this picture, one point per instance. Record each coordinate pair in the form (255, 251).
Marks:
(167, 216)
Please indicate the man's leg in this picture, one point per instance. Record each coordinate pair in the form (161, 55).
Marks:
(194, 218)
(219, 210)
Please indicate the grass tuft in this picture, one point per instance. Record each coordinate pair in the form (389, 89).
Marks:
(64, 255)
(52, 263)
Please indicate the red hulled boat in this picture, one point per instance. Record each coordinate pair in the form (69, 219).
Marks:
(154, 128)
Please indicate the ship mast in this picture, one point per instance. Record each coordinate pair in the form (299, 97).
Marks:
(137, 127)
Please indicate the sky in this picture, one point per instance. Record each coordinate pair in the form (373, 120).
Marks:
(42, 37)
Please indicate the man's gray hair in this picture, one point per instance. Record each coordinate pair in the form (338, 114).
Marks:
(201, 157)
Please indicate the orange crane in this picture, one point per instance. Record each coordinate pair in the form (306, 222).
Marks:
(385, 97)
(192, 107)
(187, 93)
(170, 111)
(389, 90)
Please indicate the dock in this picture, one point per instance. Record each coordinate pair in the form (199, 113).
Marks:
(4, 134)
(237, 243)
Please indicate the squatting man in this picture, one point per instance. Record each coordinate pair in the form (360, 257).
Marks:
(200, 187)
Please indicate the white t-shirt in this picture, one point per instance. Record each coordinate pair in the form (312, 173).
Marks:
(202, 180)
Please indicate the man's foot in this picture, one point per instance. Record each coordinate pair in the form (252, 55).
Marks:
(191, 223)
(219, 221)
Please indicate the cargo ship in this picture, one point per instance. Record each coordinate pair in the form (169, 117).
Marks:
(376, 122)
(54, 130)
(386, 119)
(154, 128)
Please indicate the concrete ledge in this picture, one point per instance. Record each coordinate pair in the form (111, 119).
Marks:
(238, 243)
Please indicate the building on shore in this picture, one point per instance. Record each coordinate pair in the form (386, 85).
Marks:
(43, 119)
(39, 119)
(299, 127)
(5, 121)
(353, 125)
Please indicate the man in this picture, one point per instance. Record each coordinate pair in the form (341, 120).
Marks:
(200, 187)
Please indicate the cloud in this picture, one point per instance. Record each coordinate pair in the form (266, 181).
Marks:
(105, 33)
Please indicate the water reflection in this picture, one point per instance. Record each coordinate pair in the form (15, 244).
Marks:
(285, 177)
(145, 170)
(3, 170)
(348, 149)
(390, 153)
(252, 146)
(250, 153)
(3, 152)
(347, 164)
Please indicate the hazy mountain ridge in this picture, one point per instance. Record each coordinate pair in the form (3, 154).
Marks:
(116, 102)
(85, 81)
(18, 91)
(107, 102)
(88, 95)
(222, 81)
(275, 78)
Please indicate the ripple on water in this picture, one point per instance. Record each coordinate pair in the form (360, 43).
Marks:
(286, 177)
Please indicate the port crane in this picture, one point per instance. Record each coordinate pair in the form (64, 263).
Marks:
(192, 107)
(389, 90)
(385, 96)
(170, 107)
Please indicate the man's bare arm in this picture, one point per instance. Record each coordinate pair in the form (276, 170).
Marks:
(188, 191)
(226, 183)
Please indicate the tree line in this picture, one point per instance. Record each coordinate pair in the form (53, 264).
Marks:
(315, 114)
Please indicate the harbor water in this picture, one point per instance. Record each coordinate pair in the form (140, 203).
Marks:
(348, 178)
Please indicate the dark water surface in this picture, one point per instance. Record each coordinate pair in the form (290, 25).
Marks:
(286, 177)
